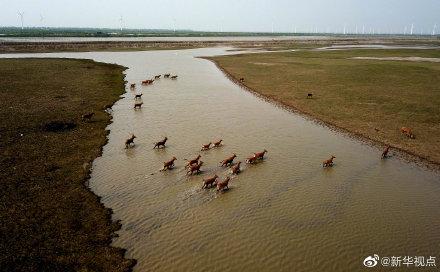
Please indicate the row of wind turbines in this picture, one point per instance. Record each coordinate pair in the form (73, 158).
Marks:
(21, 15)
(356, 31)
(364, 30)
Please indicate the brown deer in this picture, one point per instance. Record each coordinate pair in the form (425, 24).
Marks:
(329, 162)
(260, 155)
(168, 165)
(166, 75)
(193, 161)
(173, 77)
(87, 116)
(385, 152)
(242, 79)
(251, 160)
(206, 146)
(130, 141)
(160, 143)
(218, 143)
(235, 169)
(138, 96)
(223, 185)
(209, 182)
(408, 132)
(107, 107)
(138, 105)
(132, 85)
(157, 77)
(147, 82)
(194, 169)
(310, 95)
(228, 161)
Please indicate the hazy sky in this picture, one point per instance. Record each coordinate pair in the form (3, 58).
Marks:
(228, 15)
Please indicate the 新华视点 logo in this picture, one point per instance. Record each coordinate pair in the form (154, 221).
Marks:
(371, 261)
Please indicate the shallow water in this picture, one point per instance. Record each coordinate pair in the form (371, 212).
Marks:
(416, 59)
(377, 46)
(284, 214)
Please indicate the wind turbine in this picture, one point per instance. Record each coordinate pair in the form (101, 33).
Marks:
(41, 21)
(404, 30)
(272, 28)
(121, 21)
(412, 28)
(345, 32)
(363, 29)
(433, 29)
(21, 14)
(174, 25)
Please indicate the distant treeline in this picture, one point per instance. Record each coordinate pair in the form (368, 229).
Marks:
(108, 32)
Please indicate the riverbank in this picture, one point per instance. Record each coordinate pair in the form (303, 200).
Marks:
(50, 219)
(43, 45)
(367, 98)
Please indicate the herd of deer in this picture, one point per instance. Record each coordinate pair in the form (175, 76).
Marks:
(138, 104)
(193, 165)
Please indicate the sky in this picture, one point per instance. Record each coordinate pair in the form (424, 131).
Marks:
(229, 15)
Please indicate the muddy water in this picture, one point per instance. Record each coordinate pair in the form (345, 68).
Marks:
(284, 214)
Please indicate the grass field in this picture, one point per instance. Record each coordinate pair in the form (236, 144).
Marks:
(373, 98)
(50, 221)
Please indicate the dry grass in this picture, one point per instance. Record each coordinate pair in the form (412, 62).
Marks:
(358, 95)
(49, 219)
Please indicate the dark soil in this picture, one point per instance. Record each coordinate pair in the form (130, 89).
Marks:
(49, 219)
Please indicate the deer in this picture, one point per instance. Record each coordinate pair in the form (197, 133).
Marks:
(228, 161)
(160, 143)
(87, 116)
(147, 81)
(260, 155)
(242, 79)
(408, 132)
(174, 77)
(309, 95)
(194, 169)
(206, 146)
(130, 141)
(107, 107)
(157, 77)
(193, 161)
(251, 160)
(166, 75)
(385, 152)
(209, 182)
(132, 85)
(223, 185)
(235, 169)
(138, 96)
(138, 105)
(168, 165)
(218, 143)
(329, 162)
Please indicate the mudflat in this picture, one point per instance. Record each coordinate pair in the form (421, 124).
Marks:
(50, 220)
